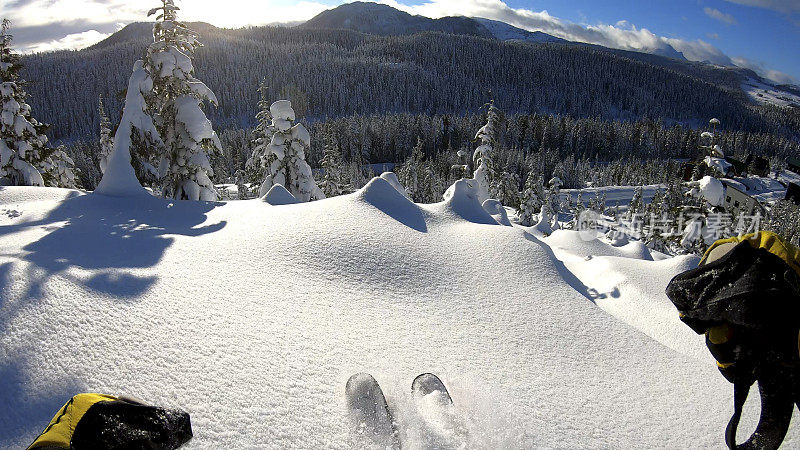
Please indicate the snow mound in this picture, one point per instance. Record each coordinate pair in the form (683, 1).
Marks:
(278, 195)
(626, 282)
(497, 211)
(381, 194)
(179, 296)
(576, 242)
(391, 177)
(462, 200)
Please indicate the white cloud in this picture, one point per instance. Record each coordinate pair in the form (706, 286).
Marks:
(759, 68)
(232, 13)
(622, 35)
(719, 15)
(79, 20)
(784, 6)
(70, 41)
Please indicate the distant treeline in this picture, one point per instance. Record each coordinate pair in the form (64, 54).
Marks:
(525, 143)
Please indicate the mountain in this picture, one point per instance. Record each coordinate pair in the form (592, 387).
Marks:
(383, 20)
(506, 32)
(329, 73)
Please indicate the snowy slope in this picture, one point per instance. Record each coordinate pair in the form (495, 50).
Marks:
(252, 317)
(506, 32)
(765, 93)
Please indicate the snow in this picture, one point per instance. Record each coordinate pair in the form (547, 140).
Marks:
(719, 164)
(253, 318)
(391, 177)
(278, 195)
(119, 178)
(497, 211)
(712, 190)
(282, 109)
(194, 119)
(765, 93)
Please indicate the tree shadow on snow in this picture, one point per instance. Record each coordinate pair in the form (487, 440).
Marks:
(23, 416)
(106, 235)
(590, 293)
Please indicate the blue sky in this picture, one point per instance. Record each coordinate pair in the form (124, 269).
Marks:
(759, 34)
(765, 36)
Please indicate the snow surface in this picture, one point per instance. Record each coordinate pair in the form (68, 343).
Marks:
(136, 296)
(712, 190)
(278, 195)
(766, 93)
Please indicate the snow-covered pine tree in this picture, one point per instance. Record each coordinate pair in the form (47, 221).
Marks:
(22, 140)
(531, 202)
(135, 141)
(258, 163)
(485, 173)
(508, 189)
(577, 210)
(333, 182)
(411, 173)
(106, 143)
(636, 206)
(175, 104)
(288, 147)
(553, 202)
(58, 169)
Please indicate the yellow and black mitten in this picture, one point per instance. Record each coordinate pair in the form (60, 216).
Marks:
(97, 421)
(745, 297)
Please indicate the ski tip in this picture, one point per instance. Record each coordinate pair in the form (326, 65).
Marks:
(428, 383)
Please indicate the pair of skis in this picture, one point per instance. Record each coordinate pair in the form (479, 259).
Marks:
(371, 412)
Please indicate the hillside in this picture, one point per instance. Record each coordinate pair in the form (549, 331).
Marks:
(334, 73)
(151, 300)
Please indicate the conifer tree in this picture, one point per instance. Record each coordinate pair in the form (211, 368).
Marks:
(287, 149)
(106, 143)
(636, 205)
(485, 170)
(332, 183)
(412, 175)
(531, 201)
(175, 104)
(261, 159)
(58, 169)
(22, 140)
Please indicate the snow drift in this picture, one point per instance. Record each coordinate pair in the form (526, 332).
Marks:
(253, 318)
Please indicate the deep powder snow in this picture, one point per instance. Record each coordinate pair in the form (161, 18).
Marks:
(252, 317)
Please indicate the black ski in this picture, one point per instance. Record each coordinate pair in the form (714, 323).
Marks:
(428, 383)
(370, 411)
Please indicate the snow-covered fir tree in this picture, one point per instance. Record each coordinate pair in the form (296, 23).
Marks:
(636, 205)
(333, 182)
(507, 189)
(485, 174)
(261, 159)
(23, 144)
(106, 143)
(135, 141)
(412, 173)
(287, 149)
(531, 201)
(58, 169)
(175, 103)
